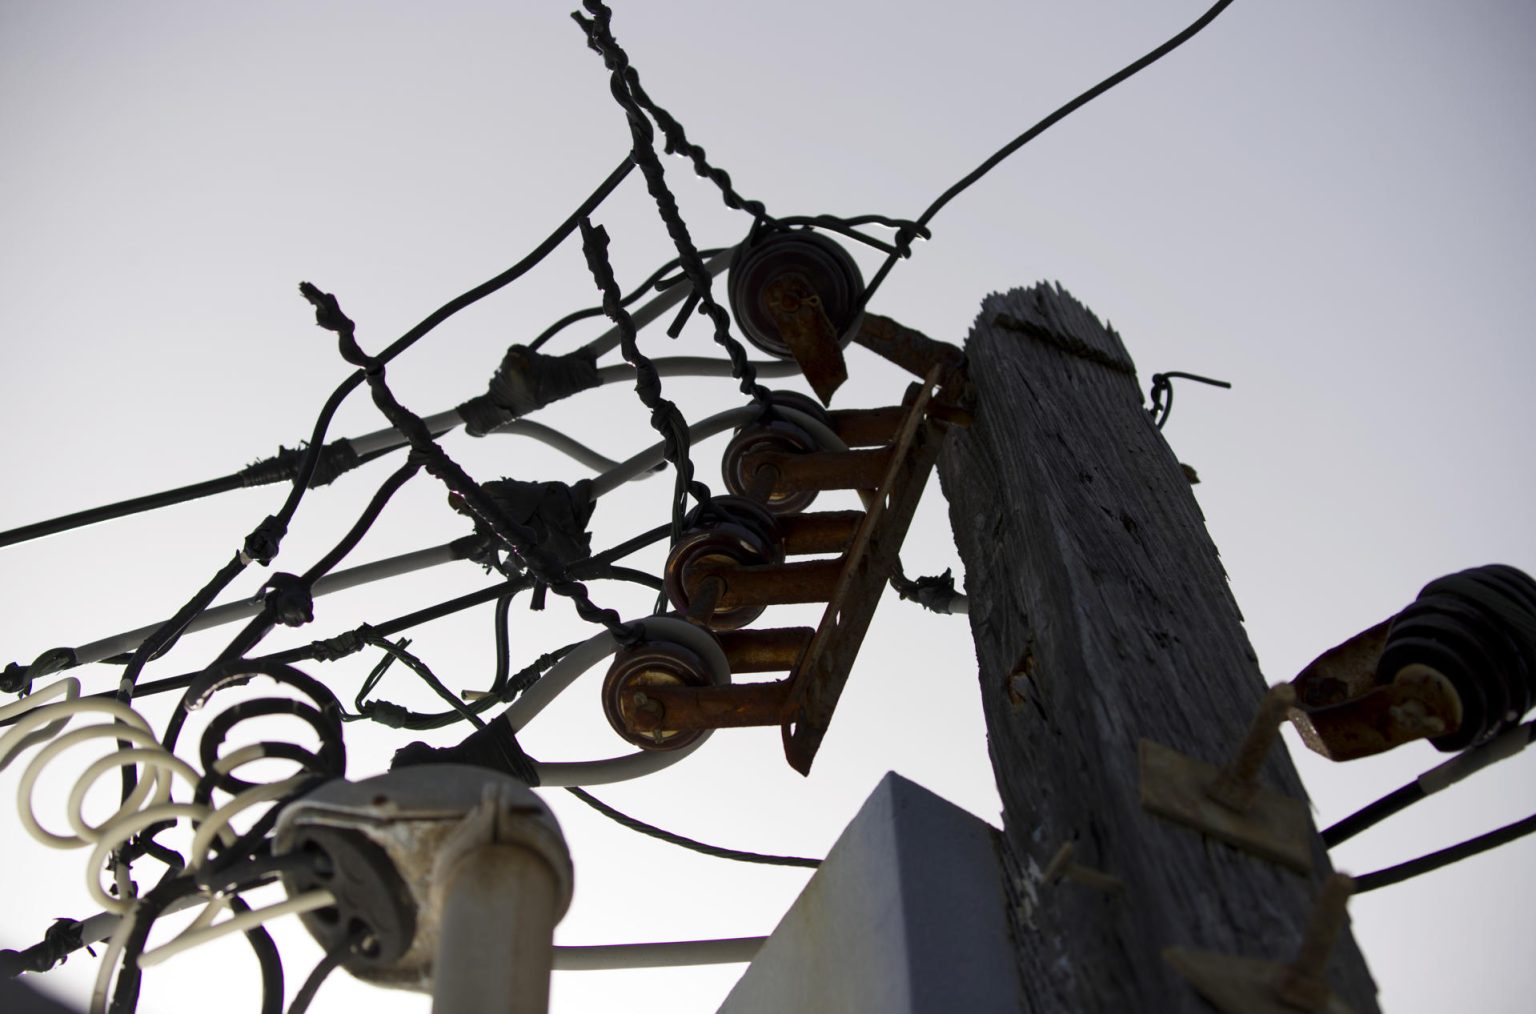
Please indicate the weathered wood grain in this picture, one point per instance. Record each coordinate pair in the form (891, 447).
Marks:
(1102, 615)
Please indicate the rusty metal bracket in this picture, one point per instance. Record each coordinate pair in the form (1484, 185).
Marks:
(1237, 985)
(795, 308)
(897, 448)
(1227, 803)
(908, 348)
(818, 680)
(1343, 713)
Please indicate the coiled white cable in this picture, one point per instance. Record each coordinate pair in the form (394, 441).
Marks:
(40, 723)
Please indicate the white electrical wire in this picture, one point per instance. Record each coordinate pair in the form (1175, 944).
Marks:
(154, 783)
(38, 723)
(667, 954)
(202, 934)
(641, 464)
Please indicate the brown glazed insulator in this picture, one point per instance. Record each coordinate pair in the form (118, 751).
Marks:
(651, 664)
(826, 266)
(727, 529)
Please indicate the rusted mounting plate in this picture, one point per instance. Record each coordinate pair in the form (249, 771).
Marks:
(1344, 713)
(1235, 985)
(795, 308)
(1274, 827)
(818, 680)
(1343, 671)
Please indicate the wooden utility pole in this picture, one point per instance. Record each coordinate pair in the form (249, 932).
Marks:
(1102, 617)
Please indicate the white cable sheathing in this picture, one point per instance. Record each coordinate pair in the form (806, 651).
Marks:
(668, 954)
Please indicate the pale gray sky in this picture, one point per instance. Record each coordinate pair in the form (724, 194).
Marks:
(1329, 205)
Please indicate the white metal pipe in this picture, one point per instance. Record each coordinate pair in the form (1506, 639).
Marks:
(496, 935)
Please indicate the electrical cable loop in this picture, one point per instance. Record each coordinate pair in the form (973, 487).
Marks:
(321, 712)
(41, 724)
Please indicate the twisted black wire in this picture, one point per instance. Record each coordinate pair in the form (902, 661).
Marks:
(656, 281)
(676, 139)
(519, 538)
(262, 623)
(665, 417)
(600, 38)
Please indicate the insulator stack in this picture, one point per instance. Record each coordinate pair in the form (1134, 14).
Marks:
(1477, 629)
(758, 547)
(1457, 667)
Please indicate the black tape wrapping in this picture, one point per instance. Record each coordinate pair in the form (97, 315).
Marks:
(557, 513)
(495, 747)
(525, 381)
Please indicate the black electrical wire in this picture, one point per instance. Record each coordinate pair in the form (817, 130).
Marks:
(432, 320)
(251, 871)
(1394, 802)
(262, 544)
(1162, 387)
(1435, 860)
(687, 843)
(149, 908)
(521, 539)
(370, 514)
(1506, 745)
(122, 509)
(904, 239)
(262, 623)
(316, 446)
(323, 714)
(848, 227)
(665, 417)
(264, 472)
(656, 281)
(503, 638)
(326, 650)
(594, 568)
(398, 717)
(420, 668)
(156, 642)
(510, 275)
(328, 964)
(624, 83)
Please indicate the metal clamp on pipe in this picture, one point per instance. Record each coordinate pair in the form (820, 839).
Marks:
(447, 879)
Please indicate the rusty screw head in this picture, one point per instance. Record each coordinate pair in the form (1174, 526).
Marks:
(650, 664)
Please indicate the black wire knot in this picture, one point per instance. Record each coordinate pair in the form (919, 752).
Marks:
(288, 600)
(263, 543)
(59, 941)
(1162, 387)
